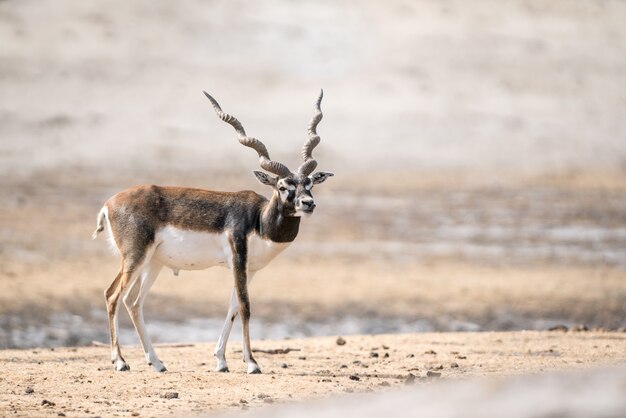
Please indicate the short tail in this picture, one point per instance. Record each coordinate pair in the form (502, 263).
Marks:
(100, 221)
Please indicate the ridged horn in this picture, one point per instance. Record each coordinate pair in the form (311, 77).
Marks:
(264, 158)
(307, 150)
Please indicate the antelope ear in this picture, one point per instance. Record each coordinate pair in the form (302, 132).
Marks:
(265, 178)
(320, 177)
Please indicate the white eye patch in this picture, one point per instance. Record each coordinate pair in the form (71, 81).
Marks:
(283, 186)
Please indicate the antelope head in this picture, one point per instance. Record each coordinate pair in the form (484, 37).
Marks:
(292, 188)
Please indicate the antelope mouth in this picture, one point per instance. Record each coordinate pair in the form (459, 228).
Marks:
(305, 210)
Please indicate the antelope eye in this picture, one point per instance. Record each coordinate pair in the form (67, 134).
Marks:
(282, 189)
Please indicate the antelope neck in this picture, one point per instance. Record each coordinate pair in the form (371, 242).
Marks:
(275, 225)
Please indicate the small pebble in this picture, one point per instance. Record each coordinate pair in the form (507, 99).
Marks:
(284, 366)
(430, 352)
(46, 402)
(438, 367)
(432, 374)
(340, 341)
(29, 391)
(454, 365)
(410, 379)
(60, 414)
(354, 377)
(461, 357)
(170, 395)
(386, 355)
(374, 354)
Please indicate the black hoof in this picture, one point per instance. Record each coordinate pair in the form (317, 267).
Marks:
(163, 369)
(124, 368)
(224, 370)
(255, 371)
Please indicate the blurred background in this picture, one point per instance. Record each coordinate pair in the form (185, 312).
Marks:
(479, 154)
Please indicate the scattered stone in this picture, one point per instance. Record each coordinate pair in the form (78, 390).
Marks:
(410, 355)
(29, 391)
(558, 328)
(438, 367)
(262, 396)
(302, 358)
(433, 352)
(46, 402)
(170, 395)
(284, 366)
(343, 366)
(454, 365)
(580, 328)
(268, 400)
(430, 373)
(461, 357)
(243, 401)
(60, 414)
(340, 341)
(384, 384)
(374, 354)
(354, 377)
(134, 414)
(386, 355)
(385, 347)
(410, 379)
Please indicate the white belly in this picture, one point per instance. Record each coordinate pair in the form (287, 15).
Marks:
(180, 249)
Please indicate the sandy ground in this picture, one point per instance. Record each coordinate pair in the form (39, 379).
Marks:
(80, 381)
(596, 393)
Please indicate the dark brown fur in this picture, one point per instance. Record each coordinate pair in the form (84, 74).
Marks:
(136, 214)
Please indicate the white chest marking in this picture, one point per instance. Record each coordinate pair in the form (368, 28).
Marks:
(180, 249)
(261, 252)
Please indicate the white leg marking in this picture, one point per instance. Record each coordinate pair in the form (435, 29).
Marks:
(220, 347)
(134, 301)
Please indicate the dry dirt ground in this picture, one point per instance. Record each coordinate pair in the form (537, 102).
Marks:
(81, 382)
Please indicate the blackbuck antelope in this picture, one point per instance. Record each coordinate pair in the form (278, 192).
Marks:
(193, 229)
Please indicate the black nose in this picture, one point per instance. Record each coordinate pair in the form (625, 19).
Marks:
(308, 203)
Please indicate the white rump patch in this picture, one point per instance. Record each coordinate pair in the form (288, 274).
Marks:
(110, 239)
